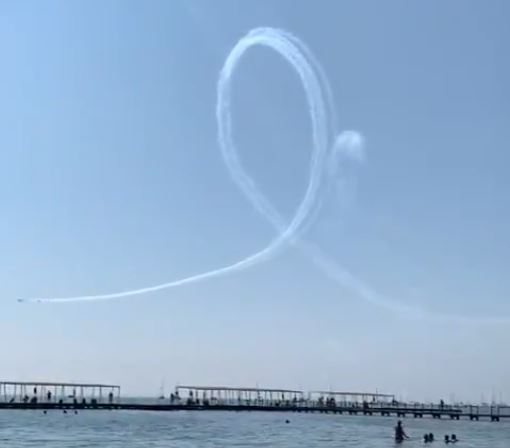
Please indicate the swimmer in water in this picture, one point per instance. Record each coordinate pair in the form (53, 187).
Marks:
(454, 438)
(400, 434)
(447, 439)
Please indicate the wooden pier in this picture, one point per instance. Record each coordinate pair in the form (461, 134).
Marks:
(56, 397)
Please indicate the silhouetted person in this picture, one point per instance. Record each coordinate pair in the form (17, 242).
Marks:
(400, 434)
(454, 438)
(447, 439)
(431, 437)
(110, 397)
(48, 395)
(426, 438)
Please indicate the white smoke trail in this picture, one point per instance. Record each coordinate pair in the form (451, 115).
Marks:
(328, 149)
(313, 80)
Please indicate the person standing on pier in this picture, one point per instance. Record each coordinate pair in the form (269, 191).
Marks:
(400, 434)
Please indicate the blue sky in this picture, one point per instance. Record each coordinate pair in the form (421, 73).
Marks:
(111, 178)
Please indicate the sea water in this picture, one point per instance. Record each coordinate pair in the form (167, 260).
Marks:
(186, 429)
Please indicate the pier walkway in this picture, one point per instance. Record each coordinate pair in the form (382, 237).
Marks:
(56, 397)
(493, 413)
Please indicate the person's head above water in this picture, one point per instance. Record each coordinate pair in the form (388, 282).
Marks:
(447, 438)
(454, 438)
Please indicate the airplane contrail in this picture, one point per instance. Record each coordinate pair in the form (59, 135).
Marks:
(319, 105)
(327, 145)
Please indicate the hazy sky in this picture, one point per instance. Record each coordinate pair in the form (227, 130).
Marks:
(112, 178)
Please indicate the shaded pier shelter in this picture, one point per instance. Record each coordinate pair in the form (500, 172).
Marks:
(41, 392)
(352, 398)
(242, 396)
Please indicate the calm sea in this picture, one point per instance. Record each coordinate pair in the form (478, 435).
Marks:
(221, 429)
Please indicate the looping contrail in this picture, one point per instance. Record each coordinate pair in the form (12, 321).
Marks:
(320, 108)
(326, 145)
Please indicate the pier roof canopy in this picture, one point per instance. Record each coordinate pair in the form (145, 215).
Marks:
(51, 384)
(239, 389)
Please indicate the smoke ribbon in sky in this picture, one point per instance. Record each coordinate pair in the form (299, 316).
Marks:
(328, 150)
(320, 108)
